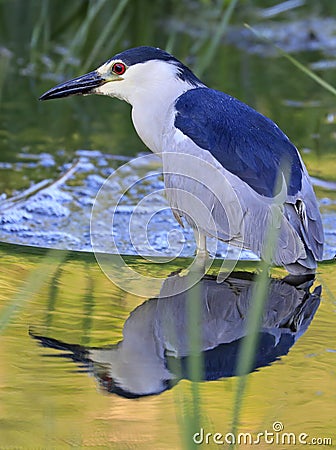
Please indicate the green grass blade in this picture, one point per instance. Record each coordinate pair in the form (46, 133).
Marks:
(195, 359)
(41, 27)
(5, 56)
(88, 307)
(296, 63)
(81, 35)
(187, 397)
(259, 297)
(215, 41)
(107, 32)
(33, 284)
(250, 342)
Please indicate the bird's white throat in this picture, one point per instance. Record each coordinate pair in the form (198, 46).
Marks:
(151, 88)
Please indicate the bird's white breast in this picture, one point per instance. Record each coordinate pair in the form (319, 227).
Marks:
(153, 100)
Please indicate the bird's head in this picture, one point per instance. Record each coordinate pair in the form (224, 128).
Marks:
(132, 74)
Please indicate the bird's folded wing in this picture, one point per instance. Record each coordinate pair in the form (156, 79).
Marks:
(245, 142)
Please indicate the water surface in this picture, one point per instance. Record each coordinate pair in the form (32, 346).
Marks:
(50, 400)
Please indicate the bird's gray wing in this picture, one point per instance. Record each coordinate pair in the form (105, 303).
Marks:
(244, 141)
(254, 149)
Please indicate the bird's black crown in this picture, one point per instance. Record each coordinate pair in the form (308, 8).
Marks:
(138, 55)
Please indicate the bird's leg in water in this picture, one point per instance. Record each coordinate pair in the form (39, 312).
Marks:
(202, 256)
(201, 248)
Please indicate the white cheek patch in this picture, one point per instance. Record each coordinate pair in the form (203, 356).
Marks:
(104, 89)
(110, 88)
(105, 68)
(102, 69)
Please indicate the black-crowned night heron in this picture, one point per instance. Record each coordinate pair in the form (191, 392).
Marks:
(257, 177)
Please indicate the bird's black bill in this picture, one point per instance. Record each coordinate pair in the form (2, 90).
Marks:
(77, 86)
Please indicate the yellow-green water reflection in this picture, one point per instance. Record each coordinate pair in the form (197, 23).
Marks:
(46, 402)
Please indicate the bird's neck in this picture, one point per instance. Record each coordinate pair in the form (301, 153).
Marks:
(153, 115)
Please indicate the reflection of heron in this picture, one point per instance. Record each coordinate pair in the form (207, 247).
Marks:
(175, 114)
(153, 354)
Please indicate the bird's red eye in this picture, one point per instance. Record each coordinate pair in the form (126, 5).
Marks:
(119, 68)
